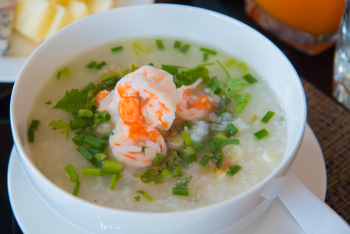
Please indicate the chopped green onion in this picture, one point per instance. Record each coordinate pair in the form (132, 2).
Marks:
(205, 56)
(166, 172)
(234, 169)
(94, 151)
(204, 160)
(217, 159)
(158, 159)
(34, 125)
(177, 44)
(229, 141)
(101, 156)
(146, 178)
(240, 106)
(108, 164)
(66, 72)
(58, 75)
(219, 136)
(110, 83)
(206, 64)
(214, 146)
(101, 65)
(133, 68)
(177, 171)
(188, 150)
(146, 195)
(85, 113)
(267, 117)
(117, 49)
(231, 129)
(76, 188)
(109, 171)
(104, 116)
(186, 137)
(91, 171)
(137, 198)
(151, 64)
(124, 72)
(183, 182)
(48, 103)
(76, 124)
(249, 78)
(198, 147)
(171, 69)
(79, 140)
(184, 48)
(86, 154)
(180, 191)
(228, 75)
(213, 52)
(91, 133)
(187, 124)
(91, 65)
(106, 137)
(143, 148)
(72, 175)
(95, 142)
(230, 62)
(243, 67)
(108, 77)
(160, 44)
(262, 133)
(115, 178)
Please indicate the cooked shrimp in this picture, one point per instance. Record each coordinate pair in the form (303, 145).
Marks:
(130, 138)
(191, 106)
(141, 99)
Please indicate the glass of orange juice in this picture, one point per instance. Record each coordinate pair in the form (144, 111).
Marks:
(308, 25)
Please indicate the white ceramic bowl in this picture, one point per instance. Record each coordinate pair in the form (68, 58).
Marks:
(195, 24)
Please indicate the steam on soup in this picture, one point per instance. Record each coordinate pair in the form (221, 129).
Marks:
(156, 125)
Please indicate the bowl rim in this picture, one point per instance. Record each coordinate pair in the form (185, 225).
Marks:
(24, 158)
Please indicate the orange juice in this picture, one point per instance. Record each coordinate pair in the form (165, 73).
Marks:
(313, 16)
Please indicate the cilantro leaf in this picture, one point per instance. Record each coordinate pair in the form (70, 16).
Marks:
(137, 198)
(150, 175)
(235, 84)
(60, 124)
(174, 160)
(241, 99)
(189, 76)
(217, 86)
(72, 100)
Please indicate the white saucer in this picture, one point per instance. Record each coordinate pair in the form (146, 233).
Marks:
(34, 215)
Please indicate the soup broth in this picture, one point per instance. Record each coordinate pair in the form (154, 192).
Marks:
(233, 167)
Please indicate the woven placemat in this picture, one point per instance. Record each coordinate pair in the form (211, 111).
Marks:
(331, 125)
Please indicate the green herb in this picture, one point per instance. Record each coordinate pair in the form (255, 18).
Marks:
(216, 85)
(204, 160)
(189, 76)
(143, 148)
(124, 72)
(243, 67)
(166, 172)
(160, 45)
(91, 171)
(79, 139)
(31, 135)
(249, 78)
(233, 170)
(214, 146)
(183, 182)
(66, 72)
(184, 48)
(106, 137)
(146, 195)
(92, 150)
(241, 99)
(186, 137)
(97, 161)
(117, 49)
(34, 125)
(228, 75)
(86, 154)
(114, 165)
(190, 159)
(219, 135)
(158, 159)
(231, 130)
(177, 44)
(115, 178)
(205, 56)
(235, 84)
(101, 65)
(180, 191)
(171, 69)
(206, 64)
(137, 198)
(188, 150)
(217, 159)
(92, 65)
(108, 77)
(60, 125)
(72, 175)
(58, 75)
(132, 68)
(187, 124)
(72, 100)
(267, 117)
(85, 113)
(213, 52)
(137, 47)
(104, 116)
(151, 64)
(262, 133)
(198, 147)
(76, 124)
(109, 171)
(230, 62)
(177, 171)
(228, 141)
(76, 188)
(48, 103)
(173, 160)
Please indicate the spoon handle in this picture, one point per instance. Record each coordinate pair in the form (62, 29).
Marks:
(312, 214)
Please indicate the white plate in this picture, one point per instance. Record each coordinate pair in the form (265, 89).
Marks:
(21, 48)
(34, 215)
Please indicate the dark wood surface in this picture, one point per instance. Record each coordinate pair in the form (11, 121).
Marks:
(317, 70)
